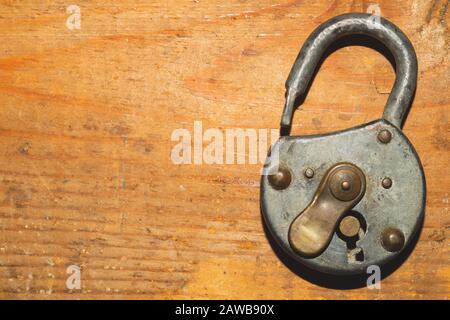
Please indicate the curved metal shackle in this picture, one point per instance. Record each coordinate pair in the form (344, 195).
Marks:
(330, 31)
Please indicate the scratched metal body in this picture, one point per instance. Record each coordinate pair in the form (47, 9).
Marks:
(400, 206)
(393, 204)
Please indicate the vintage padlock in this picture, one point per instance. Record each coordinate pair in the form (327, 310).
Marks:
(343, 201)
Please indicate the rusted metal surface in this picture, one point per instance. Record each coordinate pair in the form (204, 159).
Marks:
(376, 154)
(401, 206)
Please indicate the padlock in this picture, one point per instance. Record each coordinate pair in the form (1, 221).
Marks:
(343, 201)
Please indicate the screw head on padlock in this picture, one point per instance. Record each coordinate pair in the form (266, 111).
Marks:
(361, 188)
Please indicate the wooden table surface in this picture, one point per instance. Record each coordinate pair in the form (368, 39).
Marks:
(86, 118)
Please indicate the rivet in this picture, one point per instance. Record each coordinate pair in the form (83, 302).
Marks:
(281, 179)
(309, 173)
(384, 136)
(392, 239)
(386, 183)
(345, 185)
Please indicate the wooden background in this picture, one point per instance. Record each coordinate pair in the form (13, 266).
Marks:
(86, 120)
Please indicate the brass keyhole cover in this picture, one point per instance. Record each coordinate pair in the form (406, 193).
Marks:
(339, 191)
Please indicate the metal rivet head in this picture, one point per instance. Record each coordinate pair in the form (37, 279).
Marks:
(349, 226)
(392, 239)
(386, 183)
(384, 136)
(345, 185)
(281, 179)
(309, 173)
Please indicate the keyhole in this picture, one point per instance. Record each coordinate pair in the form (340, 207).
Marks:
(352, 228)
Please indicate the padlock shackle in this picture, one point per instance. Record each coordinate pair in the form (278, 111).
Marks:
(332, 30)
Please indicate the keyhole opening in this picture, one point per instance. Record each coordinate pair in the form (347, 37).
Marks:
(352, 228)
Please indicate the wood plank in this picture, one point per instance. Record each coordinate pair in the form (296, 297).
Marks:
(86, 120)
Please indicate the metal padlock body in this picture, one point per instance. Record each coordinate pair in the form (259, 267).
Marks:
(399, 205)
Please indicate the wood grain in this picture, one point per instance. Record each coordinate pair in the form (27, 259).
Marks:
(85, 124)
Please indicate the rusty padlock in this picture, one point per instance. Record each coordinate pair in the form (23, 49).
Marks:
(340, 202)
